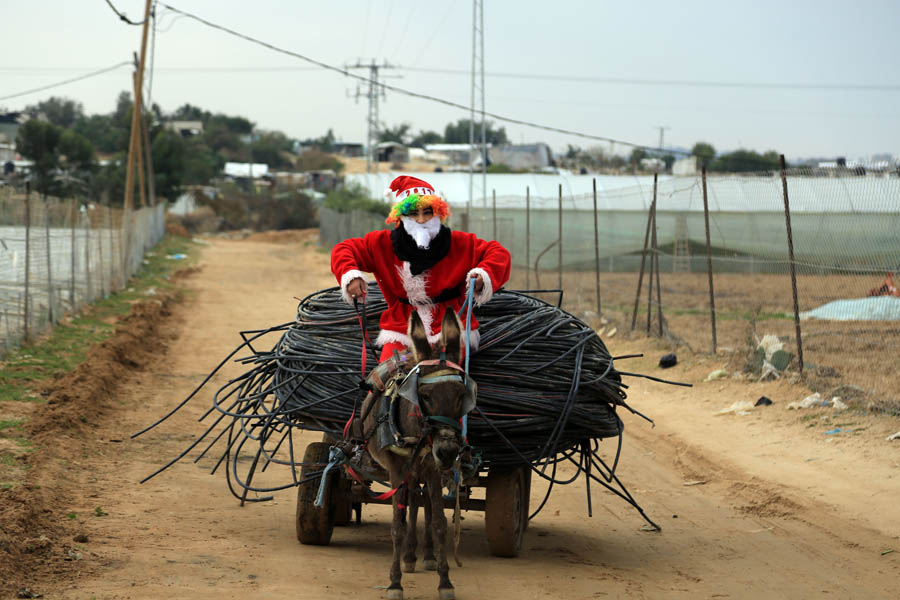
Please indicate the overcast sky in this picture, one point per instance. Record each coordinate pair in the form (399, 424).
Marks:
(831, 70)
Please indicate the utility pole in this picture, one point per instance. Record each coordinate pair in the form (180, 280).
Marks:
(661, 128)
(477, 86)
(134, 145)
(373, 93)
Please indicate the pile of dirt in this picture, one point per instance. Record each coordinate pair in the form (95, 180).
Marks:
(36, 537)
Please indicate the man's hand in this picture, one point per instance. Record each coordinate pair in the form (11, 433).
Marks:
(479, 284)
(357, 288)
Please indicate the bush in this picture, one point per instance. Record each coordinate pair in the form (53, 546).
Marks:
(233, 208)
(352, 198)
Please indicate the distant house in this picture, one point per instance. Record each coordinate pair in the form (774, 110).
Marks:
(522, 156)
(185, 128)
(391, 152)
(9, 127)
(349, 149)
(454, 154)
(238, 170)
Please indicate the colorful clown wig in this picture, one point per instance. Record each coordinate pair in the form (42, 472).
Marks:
(411, 194)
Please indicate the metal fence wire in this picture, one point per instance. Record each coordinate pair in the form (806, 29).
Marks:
(600, 248)
(58, 254)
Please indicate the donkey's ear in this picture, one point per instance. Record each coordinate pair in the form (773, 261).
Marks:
(451, 335)
(419, 337)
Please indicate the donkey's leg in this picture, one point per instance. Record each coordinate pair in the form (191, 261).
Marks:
(428, 560)
(398, 533)
(409, 557)
(439, 525)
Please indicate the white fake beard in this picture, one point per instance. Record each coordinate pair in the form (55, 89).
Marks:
(422, 233)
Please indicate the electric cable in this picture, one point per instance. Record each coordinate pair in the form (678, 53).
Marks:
(122, 15)
(67, 81)
(410, 93)
(547, 386)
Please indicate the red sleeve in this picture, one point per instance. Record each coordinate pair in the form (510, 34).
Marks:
(352, 258)
(493, 264)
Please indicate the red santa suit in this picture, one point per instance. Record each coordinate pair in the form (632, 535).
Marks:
(429, 293)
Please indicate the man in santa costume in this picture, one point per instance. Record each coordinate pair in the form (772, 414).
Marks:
(419, 265)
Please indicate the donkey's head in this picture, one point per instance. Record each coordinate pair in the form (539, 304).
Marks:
(441, 386)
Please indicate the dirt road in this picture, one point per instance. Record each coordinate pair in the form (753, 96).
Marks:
(775, 507)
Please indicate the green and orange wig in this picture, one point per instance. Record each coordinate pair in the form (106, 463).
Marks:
(412, 194)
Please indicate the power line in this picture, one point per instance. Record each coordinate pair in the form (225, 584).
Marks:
(67, 81)
(668, 82)
(403, 91)
(122, 15)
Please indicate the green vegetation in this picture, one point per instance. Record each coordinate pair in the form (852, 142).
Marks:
(354, 198)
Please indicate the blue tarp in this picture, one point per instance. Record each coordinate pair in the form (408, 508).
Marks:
(878, 308)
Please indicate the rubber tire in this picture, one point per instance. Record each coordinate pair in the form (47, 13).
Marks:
(315, 525)
(506, 510)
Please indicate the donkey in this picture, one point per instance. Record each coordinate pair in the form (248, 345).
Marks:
(433, 398)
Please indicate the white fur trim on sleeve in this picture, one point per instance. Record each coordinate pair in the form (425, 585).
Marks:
(487, 292)
(346, 278)
(386, 336)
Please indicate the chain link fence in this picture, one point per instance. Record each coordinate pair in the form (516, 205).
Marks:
(637, 256)
(59, 254)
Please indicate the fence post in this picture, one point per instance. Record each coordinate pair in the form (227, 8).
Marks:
(50, 315)
(527, 237)
(790, 240)
(637, 295)
(560, 239)
(494, 212)
(712, 298)
(89, 292)
(656, 262)
(597, 248)
(652, 256)
(103, 286)
(74, 212)
(27, 331)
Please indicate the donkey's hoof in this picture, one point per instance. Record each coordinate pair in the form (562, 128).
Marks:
(429, 564)
(447, 593)
(395, 594)
(409, 567)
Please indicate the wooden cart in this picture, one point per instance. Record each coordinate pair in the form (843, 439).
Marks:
(505, 505)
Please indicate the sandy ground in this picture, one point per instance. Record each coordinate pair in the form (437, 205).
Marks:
(759, 505)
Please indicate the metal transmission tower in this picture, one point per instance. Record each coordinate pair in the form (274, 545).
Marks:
(477, 91)
(373, 93)
(662, 129)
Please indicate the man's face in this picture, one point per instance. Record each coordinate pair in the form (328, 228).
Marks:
(421, 215)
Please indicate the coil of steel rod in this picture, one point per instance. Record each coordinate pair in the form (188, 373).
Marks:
(548, 391)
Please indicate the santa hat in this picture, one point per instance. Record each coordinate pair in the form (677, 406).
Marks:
(411, 193)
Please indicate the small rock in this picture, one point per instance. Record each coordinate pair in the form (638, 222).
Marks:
(717, 374)
(668, 360)
(763, 401)
(611, 332)
(80, 538)
(892, 437)
(838, 404)
(601, 331)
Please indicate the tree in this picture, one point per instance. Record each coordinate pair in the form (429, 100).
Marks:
(168, 152)
(189, 112)
(103, 132)
(59, 111)
(637, 155)
(426, 137)
(324, 143)
(742, 161)
(458, 133)
(704, 152)
(270, 147)
(200, 163)
(399, 133)
(39, 141)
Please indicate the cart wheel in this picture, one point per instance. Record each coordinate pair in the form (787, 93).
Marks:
(506, 510)
(314, 524)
